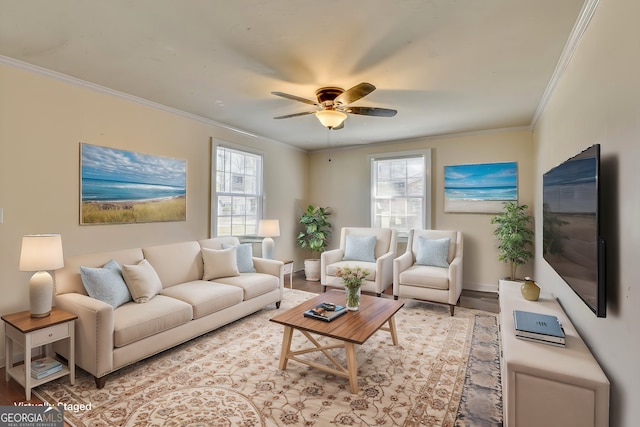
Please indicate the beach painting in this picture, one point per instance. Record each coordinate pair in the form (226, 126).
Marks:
(480, 188)
(121, 187)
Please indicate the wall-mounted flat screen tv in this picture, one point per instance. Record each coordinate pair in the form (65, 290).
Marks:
(572, 243)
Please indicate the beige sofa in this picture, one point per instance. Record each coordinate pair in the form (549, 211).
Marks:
(187, 306)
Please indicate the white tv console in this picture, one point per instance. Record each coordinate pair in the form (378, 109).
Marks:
(544, 385)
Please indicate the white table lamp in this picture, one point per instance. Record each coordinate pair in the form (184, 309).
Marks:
(268, 228)
(41, 252)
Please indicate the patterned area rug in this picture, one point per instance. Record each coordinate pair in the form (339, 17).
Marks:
(230, 377)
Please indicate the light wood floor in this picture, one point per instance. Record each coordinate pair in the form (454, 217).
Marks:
(11, 392)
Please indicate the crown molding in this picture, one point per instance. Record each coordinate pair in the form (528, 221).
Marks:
(105, 90)
(587, 12)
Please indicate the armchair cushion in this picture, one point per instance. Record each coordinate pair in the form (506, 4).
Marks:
(433, 252)
(424, 276)
(360, 248)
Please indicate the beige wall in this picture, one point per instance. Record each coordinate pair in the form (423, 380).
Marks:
(344, 185)
(42, 122)
(598, 101)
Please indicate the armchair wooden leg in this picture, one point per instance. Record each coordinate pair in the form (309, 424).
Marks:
(451, 308)
(323, 288)
(378, 295)
(278, 304)
(395, 297)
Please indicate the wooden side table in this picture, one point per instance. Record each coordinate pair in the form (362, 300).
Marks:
(32, 332)
(288, 269)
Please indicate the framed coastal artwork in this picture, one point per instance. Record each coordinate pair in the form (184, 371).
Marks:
(122, 187)
(480, 188)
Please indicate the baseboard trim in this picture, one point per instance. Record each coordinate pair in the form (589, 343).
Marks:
(481, 287)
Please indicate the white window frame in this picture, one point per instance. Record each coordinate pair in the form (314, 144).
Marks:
(426, 197)
(259, 195)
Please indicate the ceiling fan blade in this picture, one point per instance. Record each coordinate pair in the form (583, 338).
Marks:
(295, 115)
(371, 111)
(355, 93)
(295, 98)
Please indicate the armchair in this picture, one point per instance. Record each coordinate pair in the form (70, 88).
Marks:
(431, 268)
(370, 248)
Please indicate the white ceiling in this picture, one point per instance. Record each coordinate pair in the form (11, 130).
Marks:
(447, 66)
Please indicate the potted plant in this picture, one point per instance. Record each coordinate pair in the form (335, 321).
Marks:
(514, 235)
(315, 238)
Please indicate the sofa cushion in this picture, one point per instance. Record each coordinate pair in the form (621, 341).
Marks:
(176, 262)
(360, 248)
(252, 284)
(205, 297)
(106, 283)
(371, 266)
(219, 263)
(244, 257)
(133, 322)
(433, 252)
(426, 277)
(142, 280)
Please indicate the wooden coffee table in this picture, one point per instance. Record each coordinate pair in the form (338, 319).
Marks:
(351, 329)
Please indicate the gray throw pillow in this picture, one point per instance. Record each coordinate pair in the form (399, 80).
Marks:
(360, 248)
(106, 284)
(433, 252)
(244, 257)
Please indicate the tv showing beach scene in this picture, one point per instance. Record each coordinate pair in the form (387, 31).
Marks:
(119, 186)
(480, 188)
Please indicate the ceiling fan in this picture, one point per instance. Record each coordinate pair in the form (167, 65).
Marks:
(334, 105)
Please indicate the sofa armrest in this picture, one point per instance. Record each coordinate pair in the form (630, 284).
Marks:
(93, 332)
(328, 258)
(270, 266)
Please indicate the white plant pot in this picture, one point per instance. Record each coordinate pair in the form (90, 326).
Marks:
(312, 270)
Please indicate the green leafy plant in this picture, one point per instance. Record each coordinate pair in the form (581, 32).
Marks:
(514, 235)
(317, 229)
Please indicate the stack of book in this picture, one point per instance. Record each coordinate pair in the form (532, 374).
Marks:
(326, 311)
(538, 327)
(44, 367)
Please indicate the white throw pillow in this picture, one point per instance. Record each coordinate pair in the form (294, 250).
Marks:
(360, 248)
(220, 263)
(106, 284)
(433, 252)
(142, 280)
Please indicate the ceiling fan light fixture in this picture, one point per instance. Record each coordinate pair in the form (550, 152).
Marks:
(331, 118)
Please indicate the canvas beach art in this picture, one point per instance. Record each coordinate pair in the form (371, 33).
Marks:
(480, 188)
(119, 186)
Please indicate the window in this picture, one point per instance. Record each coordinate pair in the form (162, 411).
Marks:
(238, 192)
(400, 191)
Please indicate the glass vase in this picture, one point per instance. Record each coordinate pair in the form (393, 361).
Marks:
(530, 289)
(353, 298)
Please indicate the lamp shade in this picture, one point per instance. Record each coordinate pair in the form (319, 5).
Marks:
(331, 118)
(41, 252)
(269, 228)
